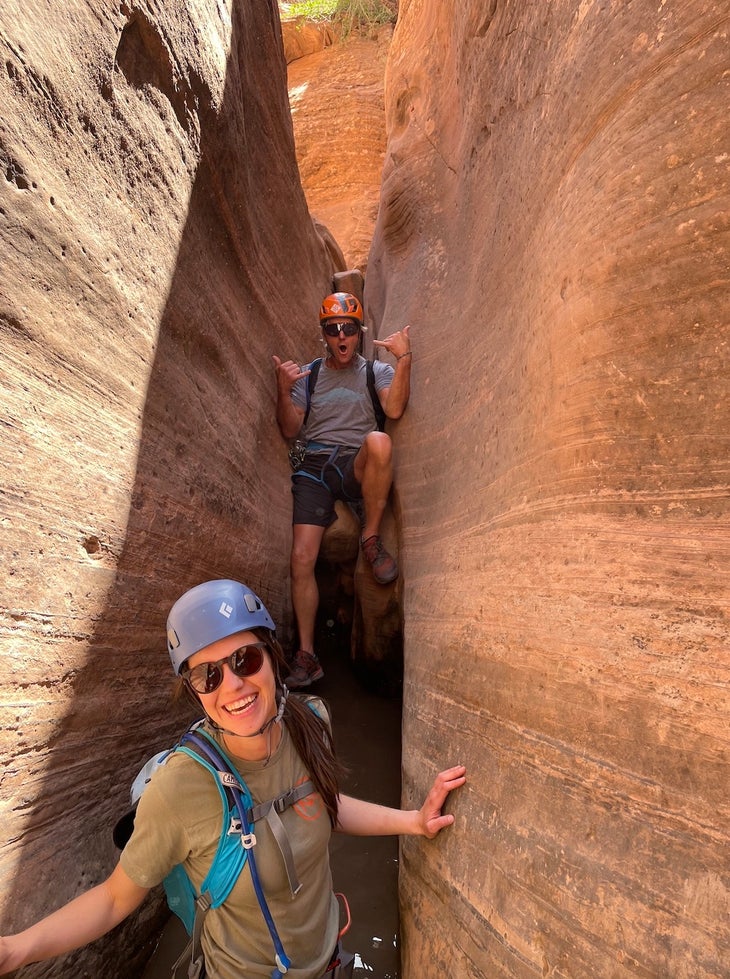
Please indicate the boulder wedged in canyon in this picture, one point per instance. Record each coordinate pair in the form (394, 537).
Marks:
(371, 611)
(302, 37)
(157, 250)
(554, 225)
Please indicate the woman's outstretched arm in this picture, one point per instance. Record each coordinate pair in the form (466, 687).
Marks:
(83, 920)
(358, 818)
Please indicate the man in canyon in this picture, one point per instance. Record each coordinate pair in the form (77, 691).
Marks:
(335, 407)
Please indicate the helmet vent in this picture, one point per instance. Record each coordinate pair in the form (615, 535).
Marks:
(172, 640)
(252, 603)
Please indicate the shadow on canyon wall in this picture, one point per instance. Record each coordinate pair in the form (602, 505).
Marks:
(209, 455)
(553, 222)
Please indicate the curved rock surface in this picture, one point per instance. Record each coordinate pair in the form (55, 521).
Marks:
(157, 249)
(338, 112)
(554, 223)
(302, 37)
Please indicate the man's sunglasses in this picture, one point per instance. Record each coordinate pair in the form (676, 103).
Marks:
(246, 661)
(350, 328)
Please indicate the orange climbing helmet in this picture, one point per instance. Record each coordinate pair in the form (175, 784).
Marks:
(340, 304)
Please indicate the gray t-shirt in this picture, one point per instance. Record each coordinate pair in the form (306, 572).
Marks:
(342, 411)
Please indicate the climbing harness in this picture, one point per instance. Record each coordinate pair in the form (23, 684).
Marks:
(323, 457)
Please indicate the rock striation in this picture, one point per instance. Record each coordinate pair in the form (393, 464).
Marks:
(157, 250)
(338, 113)
(554, 224)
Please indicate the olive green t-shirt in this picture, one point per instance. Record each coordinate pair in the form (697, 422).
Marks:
(179, 820)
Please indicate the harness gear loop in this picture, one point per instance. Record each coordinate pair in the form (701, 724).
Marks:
(346, 927)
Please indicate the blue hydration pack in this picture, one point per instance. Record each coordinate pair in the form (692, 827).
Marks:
(235, 848)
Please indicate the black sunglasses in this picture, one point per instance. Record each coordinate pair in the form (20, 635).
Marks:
(207, 677)
(350, 328)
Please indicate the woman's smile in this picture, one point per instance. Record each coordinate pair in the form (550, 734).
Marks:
(239, 706)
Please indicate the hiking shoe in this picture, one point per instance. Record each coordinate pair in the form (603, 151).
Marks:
(305, 669)
(383, 564)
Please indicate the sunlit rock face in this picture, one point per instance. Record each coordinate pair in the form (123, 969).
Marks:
(302, 37)
(157, 250)
(554, 227)
(337, 105)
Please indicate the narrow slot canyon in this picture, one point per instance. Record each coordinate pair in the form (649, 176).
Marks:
(542, 193)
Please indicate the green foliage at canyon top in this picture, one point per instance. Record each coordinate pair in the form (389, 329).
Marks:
(350, 16)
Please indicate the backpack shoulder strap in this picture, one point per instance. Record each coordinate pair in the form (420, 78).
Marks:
(218, 879)
(314, 369)
(377, 406)
(207, 751)
(230, 855)
(311, 381)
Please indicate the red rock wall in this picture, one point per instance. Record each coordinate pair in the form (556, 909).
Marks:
(157, 250)
(336, 98)
(554, 224)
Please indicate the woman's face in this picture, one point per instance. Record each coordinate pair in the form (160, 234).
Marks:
(241, 705)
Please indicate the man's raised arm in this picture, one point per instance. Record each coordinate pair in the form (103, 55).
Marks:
(289, 417)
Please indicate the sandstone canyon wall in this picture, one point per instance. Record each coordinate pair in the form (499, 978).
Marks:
(336, 97)
(554, 224)
(157, 249)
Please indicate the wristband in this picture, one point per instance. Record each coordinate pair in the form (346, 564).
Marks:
(408, 353)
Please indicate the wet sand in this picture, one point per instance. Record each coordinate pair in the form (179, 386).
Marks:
(367, 732)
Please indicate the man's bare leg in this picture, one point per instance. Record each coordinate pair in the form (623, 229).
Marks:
(306, 542)
(374, 471)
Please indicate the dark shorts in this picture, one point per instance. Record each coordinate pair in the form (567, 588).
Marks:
(325, 476)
